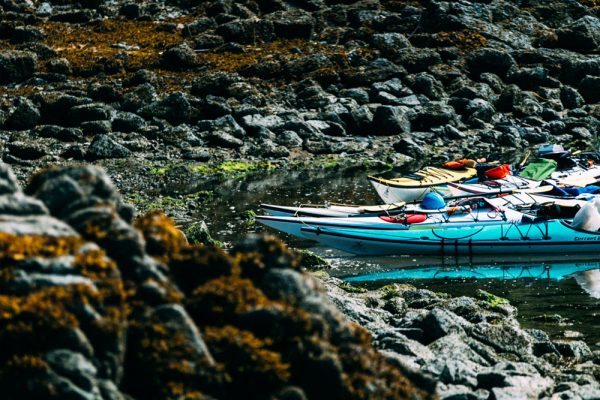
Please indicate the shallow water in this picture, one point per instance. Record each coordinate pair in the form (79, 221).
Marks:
(568, 287)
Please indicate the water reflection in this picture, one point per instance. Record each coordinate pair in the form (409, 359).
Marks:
(589, 281)
(585, 273)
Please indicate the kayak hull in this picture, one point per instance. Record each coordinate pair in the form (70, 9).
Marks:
(391, 194)
(549, 237)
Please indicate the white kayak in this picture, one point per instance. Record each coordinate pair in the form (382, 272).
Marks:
(336, 210)
(515, 198)
(544, 237)
(575, 177)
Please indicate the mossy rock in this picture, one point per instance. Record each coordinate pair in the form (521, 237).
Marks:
(493, 300)
(312, 262)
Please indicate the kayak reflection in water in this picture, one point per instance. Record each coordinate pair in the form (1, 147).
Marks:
(589, 281)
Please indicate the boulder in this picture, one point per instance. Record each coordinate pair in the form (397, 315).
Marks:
(590, 89)
(489, 60)
(16, 66)
(180, 57)
(390, 120)
(389, 43)
(296, 24)
(25, 115)
(103, 146)
(580, 35)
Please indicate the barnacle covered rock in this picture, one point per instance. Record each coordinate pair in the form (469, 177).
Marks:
(76, 279)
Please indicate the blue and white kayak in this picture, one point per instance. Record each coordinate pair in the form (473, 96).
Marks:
(465, 213)
(547, 237)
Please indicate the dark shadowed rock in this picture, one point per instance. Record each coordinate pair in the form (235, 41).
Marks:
(582, 35)
(25, 115)
(16, 66)
(390, 120)
(389, 43)
(103, 146)
(178, 58)
(590, 89)
(489, 60)
(297, 24)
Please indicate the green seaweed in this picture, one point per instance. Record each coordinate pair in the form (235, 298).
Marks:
(493, 300)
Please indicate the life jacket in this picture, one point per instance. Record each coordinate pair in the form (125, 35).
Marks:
(498, 172)
(459, 164)
(404, 219)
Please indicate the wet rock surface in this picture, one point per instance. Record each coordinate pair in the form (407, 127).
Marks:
(474, 348)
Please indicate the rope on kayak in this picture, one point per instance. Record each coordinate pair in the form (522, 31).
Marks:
(454, 238)
(525, 236)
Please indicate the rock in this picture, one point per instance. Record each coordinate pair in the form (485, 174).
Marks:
(226, 124)
(73, 366)
(457, 346)
(176, 108)
(570, 98)
(289, 139)
(576, 348)
(581, 35)
(417, 61)
(24, 116)
(18, 204)
(426, 84)
(8, 180)
(510, 380)
(432, 115)
(439, 323)
(88, 128)
(73, 16)
(253, 123)
(574, 70)
(590, 89)
(103, 146)
(390, 120)
(60, 133)
(23, 34)
(531, 78)
(489, 60)
(16, 66)
(410, 147)
(224, 139)
(504, 338)
(127, 122)
(180, 57)
(174, 315)
(26, 151)
(297, 24)
(389, 43)
(247, 31)
(402, 345)
(89, 112)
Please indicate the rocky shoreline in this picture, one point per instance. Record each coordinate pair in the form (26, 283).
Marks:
(473, 348)
(172, 90)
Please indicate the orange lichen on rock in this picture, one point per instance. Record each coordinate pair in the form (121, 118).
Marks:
(136, 44)
(163, 239)
(219, 300)
(465, 39)
(18, 248)
(247, 360)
